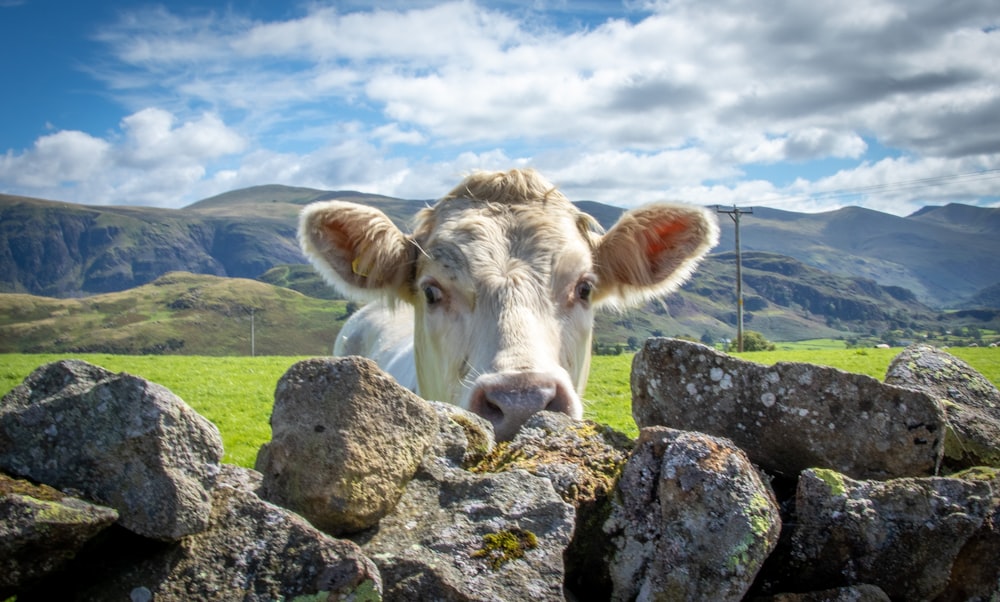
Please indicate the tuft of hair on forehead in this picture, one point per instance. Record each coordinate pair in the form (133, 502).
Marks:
(513, 188)
(506, 188)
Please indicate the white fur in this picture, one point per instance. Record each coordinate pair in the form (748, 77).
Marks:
(504, 258)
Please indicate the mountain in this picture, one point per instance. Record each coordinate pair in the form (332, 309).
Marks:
(975, 220)
(989, 297)
(66, 250)
(943, 262)
(944, 255)
(184, 313)
(784, 298)
(180, 313)
(284, 203)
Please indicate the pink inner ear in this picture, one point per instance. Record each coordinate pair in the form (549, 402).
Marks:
(665, 235)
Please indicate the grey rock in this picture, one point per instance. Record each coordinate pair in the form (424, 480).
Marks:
(902, 535)
(252, 551)
(971, 403)
(41, 530)
(119, 440)
(790, 416)
(237, 477)
(852, 593)
(695, 520)
(463, 438)
(459, 536)
(582, 460)
(975, 574)
(345, 440)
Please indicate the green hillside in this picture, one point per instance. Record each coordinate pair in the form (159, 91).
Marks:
(178, 313)
(285, 202)
(944, 255)
(849, 274)
(784, 299)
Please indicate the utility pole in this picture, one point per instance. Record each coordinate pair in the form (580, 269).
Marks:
(735, 213)
(253, 340)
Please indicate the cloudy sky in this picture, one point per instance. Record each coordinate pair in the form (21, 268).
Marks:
(805, 106)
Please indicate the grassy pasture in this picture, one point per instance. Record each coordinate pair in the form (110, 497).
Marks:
(237, 393)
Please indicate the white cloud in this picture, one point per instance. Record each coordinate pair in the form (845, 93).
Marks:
(441, 34)
(63, 157)
(391, 133)
(151, 161)
(666, 99)
(151, 139)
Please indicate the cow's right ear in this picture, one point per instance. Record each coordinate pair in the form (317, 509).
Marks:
(358, 250)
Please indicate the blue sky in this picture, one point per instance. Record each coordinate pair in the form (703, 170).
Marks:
(890, 104)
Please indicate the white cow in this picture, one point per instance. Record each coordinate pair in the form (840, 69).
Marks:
(489, 303)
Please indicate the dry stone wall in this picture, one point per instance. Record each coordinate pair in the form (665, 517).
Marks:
(788, 482)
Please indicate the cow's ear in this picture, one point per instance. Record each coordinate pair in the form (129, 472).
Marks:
(651, 251)
(358, 250)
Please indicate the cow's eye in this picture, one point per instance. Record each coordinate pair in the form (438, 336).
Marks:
(432, 294)
(584, 289)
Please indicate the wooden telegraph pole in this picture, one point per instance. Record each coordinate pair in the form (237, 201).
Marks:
(735, 213)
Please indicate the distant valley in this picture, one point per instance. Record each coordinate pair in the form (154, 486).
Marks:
(841, 273)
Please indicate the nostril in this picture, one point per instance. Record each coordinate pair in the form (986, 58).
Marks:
(492, 411)
(483, 406)
(561, 402)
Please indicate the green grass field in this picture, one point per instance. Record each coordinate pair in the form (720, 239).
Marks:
(237, 393)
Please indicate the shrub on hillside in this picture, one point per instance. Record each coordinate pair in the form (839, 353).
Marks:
(752, 341)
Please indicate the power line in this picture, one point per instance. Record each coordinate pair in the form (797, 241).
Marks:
(736, 213)
(929, 182)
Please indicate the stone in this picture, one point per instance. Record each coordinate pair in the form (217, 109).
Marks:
(119, 440)
(790, 416)
(345, 440)
(695, 520)
(251, 551)
(975, 574)
(41, 530)
(463, 438)
(905, 536)
(852, 593)
(237, 477)
(459, 536)
(971, 403)
(582, 460)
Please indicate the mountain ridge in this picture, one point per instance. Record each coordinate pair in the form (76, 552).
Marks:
(944, 254)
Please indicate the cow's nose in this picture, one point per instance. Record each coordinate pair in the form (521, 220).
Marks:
(508, 400)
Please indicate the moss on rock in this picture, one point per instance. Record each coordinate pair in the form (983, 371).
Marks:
(504, 546)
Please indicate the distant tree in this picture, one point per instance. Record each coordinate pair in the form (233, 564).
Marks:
(707, 339)
(350, 308)
(633, 343)
(755, 341)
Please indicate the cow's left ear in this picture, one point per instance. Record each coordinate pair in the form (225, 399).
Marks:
(357, 249)
(651, 251)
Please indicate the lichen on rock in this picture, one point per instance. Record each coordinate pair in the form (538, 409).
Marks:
(503, 546)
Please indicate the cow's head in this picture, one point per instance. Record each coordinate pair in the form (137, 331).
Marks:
(504, 275)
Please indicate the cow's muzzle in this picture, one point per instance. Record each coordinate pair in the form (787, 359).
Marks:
(508, 399)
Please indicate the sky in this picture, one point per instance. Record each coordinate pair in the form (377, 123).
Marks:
(803, 106)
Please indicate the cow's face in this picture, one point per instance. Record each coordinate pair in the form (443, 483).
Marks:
(504, 275)
(504, 309)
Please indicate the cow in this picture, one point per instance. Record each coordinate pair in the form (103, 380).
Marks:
(489, 303)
